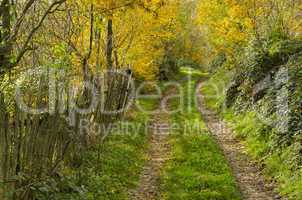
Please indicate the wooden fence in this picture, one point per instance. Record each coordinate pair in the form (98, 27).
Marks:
(33, 147)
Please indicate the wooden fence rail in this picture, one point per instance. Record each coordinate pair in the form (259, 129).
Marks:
(33, 147)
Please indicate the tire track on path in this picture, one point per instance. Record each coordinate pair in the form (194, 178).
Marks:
(158, 154)
(248, 176)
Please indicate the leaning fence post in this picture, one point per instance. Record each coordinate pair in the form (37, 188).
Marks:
(1, 145)
(130, 74)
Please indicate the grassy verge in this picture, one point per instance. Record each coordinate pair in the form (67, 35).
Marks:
(198, 169)
(109, 170)
(280, 164)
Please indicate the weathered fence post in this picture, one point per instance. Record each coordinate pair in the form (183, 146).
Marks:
(4, 168)
(1, 145)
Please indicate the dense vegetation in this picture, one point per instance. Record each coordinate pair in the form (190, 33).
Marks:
(258, 90)
(66, 64)
(107, 170)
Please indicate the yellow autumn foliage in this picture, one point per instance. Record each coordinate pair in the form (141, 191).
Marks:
(148, 32)
(230, 24)
(141, 30)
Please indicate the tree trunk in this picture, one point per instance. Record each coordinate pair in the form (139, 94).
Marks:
(109, 44)
(5, 46)
(117, 65)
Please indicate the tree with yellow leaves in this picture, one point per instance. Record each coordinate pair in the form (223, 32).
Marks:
(230, 24)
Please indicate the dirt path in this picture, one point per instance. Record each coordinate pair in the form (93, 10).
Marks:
(248, 175)
(158, 154)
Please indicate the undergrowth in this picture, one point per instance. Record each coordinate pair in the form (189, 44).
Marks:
(108, 170)
(281, 163)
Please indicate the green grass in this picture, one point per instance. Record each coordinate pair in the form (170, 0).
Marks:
(108, 170)
(280, 165)
(148, 104)
(198, 169)
(248, 127)
(118, 169)
(193, 72)
(215, 88)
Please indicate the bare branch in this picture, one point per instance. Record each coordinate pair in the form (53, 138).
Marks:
(91, 32)
(20, 20)
(55, 5)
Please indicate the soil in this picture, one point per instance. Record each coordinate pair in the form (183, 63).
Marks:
(158, 153)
